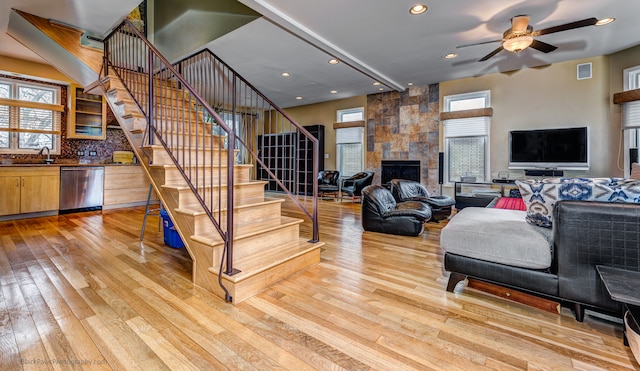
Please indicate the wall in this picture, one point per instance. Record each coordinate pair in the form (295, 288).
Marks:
(180, 27)
(325, 114)
(548, 97)
(23, 67)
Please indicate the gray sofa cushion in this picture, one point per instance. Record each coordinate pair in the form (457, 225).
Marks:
(498, 235)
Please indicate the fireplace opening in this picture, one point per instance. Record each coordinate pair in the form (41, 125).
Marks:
(400, 169)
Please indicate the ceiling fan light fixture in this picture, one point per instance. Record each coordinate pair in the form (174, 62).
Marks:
(518, 43)
(418, 9)
(604, 21)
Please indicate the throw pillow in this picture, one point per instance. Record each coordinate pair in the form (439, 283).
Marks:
(540, 196)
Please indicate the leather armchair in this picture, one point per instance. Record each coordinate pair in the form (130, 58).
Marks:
(409, 190)
(354, 185)
(328, 182)
(381, 213)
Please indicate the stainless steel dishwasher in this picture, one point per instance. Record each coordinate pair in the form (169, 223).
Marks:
(81, 188)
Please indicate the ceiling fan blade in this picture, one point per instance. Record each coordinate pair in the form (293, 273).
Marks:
(567, 26)
(486, 57)
(480, 43)
(519, 24)
(542, 46)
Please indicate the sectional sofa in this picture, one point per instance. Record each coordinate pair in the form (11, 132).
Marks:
(552, 249)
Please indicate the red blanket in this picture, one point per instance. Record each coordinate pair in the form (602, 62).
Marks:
(511, 203)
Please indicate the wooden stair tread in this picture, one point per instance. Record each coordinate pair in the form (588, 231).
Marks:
(242, 203)
(159, 147)
(169, 166)
(257, 263)
(221, 166)
(206, 133)
(213, 238)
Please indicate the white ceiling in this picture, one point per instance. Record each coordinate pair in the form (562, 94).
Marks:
(377, 40)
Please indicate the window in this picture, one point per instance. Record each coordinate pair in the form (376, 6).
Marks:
(631, 118)
(350, 143)
(466, 140)
(30, 116)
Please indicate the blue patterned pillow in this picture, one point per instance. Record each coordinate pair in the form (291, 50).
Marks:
(540, 196)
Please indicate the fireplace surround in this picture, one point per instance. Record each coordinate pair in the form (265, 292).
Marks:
(400, 169)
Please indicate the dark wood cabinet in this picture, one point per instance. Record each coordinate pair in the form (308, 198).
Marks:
(289, 156)
(277, 151)
(306, 156)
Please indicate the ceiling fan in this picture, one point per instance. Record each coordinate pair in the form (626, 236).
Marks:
(521, 36)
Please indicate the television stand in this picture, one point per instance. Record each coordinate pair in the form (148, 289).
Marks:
(480, 194)
(543, 172)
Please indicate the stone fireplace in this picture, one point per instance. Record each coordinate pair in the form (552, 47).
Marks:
(405, 127)
(400, 169)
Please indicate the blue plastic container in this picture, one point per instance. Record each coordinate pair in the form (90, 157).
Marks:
(171, 236)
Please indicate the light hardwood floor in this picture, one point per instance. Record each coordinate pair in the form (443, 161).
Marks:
(79, 291)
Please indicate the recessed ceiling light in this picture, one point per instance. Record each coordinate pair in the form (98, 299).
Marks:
(450, 55)
(410, 84)
(380, 89)
(333, 61)
(298, 98)
(604, 21)
(285, 74)
(334, 92)
(377, 83)
(418, 9)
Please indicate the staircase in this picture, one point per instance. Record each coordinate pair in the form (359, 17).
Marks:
(238, 238)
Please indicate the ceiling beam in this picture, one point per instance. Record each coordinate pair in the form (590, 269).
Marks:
(301, 31)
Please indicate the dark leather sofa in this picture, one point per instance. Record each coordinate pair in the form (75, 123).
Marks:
(409, 190)
(381, 213)
(585, 234)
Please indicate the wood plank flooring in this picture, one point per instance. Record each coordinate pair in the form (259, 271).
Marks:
(79, 291)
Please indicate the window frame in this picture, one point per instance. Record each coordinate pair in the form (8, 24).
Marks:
(14, 135)
(448, 100)
(631, 81)
(340, 114)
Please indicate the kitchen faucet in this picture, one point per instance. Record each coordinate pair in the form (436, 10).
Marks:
(48, 160)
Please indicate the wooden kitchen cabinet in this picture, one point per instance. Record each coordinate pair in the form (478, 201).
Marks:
(87, 116)
(125, 185)
(29, 189)
(10, 200)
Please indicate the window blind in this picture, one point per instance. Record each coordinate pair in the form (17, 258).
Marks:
(30, 117)
(631, 115)
(467, 127)
(350, 135)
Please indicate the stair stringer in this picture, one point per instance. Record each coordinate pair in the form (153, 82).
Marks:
(265, 268)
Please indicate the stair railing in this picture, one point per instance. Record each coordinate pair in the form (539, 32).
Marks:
(291, 168)
(200, 105)
(181, 121)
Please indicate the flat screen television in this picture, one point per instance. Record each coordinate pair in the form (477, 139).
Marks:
(563, 149)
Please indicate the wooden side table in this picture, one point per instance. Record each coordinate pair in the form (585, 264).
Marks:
(622, 286)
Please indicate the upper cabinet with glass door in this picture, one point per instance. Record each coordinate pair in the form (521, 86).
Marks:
(87, 118)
